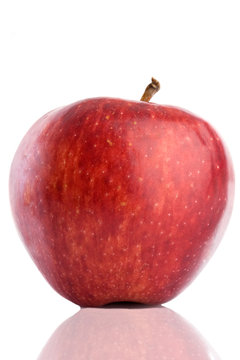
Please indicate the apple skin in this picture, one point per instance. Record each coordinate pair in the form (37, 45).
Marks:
(127, 333)
(119, 200)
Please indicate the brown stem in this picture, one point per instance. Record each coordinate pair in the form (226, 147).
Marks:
(150, 90)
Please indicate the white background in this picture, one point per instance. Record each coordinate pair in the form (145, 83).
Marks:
(56, 52)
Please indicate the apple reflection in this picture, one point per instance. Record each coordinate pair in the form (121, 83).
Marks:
(127, 332)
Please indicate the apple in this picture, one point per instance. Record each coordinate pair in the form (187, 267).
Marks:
(123, 333)
(120, 200)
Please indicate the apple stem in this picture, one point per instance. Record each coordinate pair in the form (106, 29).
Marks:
(150, 90)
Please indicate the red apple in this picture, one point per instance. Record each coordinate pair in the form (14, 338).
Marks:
(127, 334)
(121, 200)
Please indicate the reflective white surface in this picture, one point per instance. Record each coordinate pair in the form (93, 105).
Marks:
(127, 332)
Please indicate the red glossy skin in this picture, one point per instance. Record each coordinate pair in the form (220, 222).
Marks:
(120, 201)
